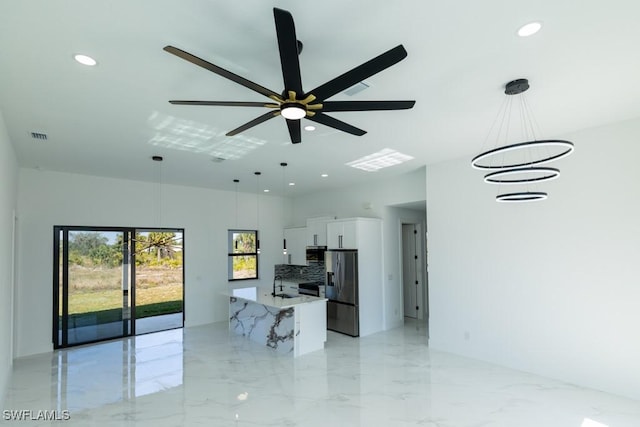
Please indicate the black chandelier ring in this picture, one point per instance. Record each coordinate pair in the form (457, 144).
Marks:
(510, 176)
(526, 196)
(568, 149)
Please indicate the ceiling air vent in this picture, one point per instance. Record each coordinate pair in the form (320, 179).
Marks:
(38, 135)
(356, 88)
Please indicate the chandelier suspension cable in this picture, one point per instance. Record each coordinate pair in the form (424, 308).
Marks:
(535, 129)
(499, 115)
(504, 133)
(528, 133)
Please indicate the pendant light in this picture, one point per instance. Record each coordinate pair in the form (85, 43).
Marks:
(257, 174)
(518, 163)
(158, 189)
(284, 182)
(236, 181)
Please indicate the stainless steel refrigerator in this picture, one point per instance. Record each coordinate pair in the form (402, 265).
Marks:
(341, 290)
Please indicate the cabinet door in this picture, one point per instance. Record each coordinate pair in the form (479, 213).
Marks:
(350, 235)
(342, 235)
(296, 246)
(317, 232)
(334, 231)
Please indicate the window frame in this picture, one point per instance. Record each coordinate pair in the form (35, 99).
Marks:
(231, 255)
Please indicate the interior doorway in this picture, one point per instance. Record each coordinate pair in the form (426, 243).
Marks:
(414, 277)
(112, 282)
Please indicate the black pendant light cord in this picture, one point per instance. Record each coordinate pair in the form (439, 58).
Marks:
(257, 174)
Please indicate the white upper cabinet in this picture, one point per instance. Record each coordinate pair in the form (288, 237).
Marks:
(296, 246)
(342, 234)
(317, 231)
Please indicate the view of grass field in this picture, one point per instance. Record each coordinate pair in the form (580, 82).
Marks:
(98, 289)
(96, 275)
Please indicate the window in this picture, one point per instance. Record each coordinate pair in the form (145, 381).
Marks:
(111, 282)
(243, 256)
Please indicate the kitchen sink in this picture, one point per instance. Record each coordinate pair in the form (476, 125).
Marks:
(286, 296)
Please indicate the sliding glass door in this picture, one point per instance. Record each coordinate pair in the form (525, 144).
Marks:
(159, 290)
(97, 271)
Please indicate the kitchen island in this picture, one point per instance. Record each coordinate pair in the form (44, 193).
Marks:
(293, 325)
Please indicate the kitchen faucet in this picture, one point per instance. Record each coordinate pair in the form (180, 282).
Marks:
(274, 284)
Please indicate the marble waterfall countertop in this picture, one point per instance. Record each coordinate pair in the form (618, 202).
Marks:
(294, 326)
(263, 296)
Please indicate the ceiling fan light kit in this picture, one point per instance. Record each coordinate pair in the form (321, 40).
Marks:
(292, 111)
(523, 169)
(294, 103)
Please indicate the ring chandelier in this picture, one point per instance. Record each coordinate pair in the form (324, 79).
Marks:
(566, 146)
(524, 196)
(510, 176)
(504, 161)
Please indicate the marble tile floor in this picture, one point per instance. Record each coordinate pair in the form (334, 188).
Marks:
(205, 376)
(113, 329)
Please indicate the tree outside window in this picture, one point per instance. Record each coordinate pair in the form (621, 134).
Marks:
(243, 256)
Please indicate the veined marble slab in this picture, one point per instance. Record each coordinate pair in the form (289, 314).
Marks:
(264, 297)
(288, 325)
(270, 326)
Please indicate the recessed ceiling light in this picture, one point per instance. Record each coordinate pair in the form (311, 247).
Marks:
(529, 29)
(324, 175)
(292, 183)
(309, 128)
(85, 60)
(266, 190)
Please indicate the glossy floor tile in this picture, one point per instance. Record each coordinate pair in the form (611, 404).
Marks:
(206, 376)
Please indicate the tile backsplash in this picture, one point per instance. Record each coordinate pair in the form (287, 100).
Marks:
(301, 273)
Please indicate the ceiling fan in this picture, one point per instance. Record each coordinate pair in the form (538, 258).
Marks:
(294, 103)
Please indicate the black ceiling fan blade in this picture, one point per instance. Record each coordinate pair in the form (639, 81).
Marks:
(336, 124)
(288, 47)
(220, 71)
(294, 131)
(227, 103)
(261, 119)
(366, 105)
(360, 73)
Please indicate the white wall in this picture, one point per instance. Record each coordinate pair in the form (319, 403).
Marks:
(550, 287)
(52, 198)
(374, 201)
(8, 196)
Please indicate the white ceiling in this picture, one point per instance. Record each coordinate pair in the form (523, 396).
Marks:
(110, 119)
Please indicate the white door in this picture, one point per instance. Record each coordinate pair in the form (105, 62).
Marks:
(412, 262)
